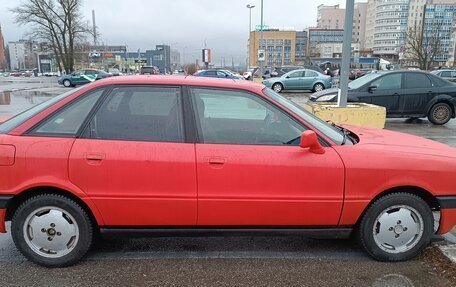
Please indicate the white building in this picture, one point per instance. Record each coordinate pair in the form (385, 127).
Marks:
(17, 54)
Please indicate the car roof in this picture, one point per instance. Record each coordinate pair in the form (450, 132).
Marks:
(180, 80)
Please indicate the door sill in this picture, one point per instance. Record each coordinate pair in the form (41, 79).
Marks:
(316, 232)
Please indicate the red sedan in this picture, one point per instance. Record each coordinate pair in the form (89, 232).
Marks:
(186, 154)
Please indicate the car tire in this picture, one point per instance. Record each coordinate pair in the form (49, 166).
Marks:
(277, 87)
(318, 87)
(440, 113)
(67, 83)
(396, 227)
(52, 230)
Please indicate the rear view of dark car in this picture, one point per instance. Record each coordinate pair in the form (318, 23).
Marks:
(404, 94)
(149, 70)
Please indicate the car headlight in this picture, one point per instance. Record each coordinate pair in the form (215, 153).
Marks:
(326, 98)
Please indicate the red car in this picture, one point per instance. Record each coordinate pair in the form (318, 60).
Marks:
(186, 154)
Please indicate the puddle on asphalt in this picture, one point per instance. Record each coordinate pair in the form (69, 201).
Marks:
(14, 102)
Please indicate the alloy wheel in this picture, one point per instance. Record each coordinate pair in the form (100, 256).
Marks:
(398, 229)
(51, 232)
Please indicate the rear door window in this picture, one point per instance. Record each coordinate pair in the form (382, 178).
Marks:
(416, 80)
(140, 114)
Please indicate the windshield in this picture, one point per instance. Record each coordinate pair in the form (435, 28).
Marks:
(19, 119)
(363, 80)
(330, 131)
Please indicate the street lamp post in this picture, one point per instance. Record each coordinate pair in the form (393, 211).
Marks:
(346, 53)
(250, 7)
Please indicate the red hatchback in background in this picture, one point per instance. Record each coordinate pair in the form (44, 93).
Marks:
(197, 154)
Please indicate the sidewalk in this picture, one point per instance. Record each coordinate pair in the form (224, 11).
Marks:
(449, 247)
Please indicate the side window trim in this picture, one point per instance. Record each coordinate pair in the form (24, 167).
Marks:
(197, 127)
(85, 134)
(30, 132)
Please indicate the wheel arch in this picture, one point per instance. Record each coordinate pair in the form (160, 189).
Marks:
(441, 99)
(278, 82)
(422, 193)
(18, 199)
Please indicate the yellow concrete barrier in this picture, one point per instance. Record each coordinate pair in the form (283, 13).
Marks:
(358, 114)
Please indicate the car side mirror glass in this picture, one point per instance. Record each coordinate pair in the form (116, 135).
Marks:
(287, 77)
(309, 140)
(372, 88)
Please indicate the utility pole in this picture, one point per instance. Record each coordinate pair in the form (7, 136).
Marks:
(346, 54)
(250, 7)
(261, 39)
(94, 27)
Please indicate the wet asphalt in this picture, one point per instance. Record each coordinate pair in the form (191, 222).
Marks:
(290, 260)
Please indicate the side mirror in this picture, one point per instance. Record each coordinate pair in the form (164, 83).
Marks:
(309, 140)
(372, 88)
(287, 77)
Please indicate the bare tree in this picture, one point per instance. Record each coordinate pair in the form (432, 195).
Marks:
(58, 22)
(425, 45)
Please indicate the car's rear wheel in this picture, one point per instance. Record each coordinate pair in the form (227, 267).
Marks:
(277, 87)
(52, 230)
(318, 87)
(67, 83)
(396, 227)
(440, 113)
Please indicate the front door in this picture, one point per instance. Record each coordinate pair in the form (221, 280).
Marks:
(418, 92)
(77, 78)
(251, 170)
(386, 94)
(133, 162)
(293, 80)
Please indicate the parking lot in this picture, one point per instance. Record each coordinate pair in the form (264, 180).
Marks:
(210, 260)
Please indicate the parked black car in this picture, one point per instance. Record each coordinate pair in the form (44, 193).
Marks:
(405, 94)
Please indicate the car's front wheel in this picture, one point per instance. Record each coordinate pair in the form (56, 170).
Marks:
(396, 227)
(52, 230)
(440, 113)
(67, 83)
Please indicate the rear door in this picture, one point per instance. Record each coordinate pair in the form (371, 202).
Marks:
(419, 90)
(133, 162)
(309, 79)
(388, 89)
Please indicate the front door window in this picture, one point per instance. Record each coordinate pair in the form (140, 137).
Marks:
(236, 117)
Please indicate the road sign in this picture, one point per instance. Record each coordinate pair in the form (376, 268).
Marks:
(141, 61)
(261, 55)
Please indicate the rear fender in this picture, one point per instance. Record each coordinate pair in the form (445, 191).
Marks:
(441, 98)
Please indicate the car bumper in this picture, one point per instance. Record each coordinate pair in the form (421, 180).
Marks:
(447, 213)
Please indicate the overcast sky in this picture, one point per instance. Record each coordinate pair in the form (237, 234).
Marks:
(222, 24)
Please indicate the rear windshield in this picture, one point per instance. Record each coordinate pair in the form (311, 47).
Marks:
(19, 119)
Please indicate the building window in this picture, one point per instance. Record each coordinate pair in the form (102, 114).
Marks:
(287, 49)
(279, 48)
(271, 42)
(270, 48)
(279, 42)
(287, 42)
